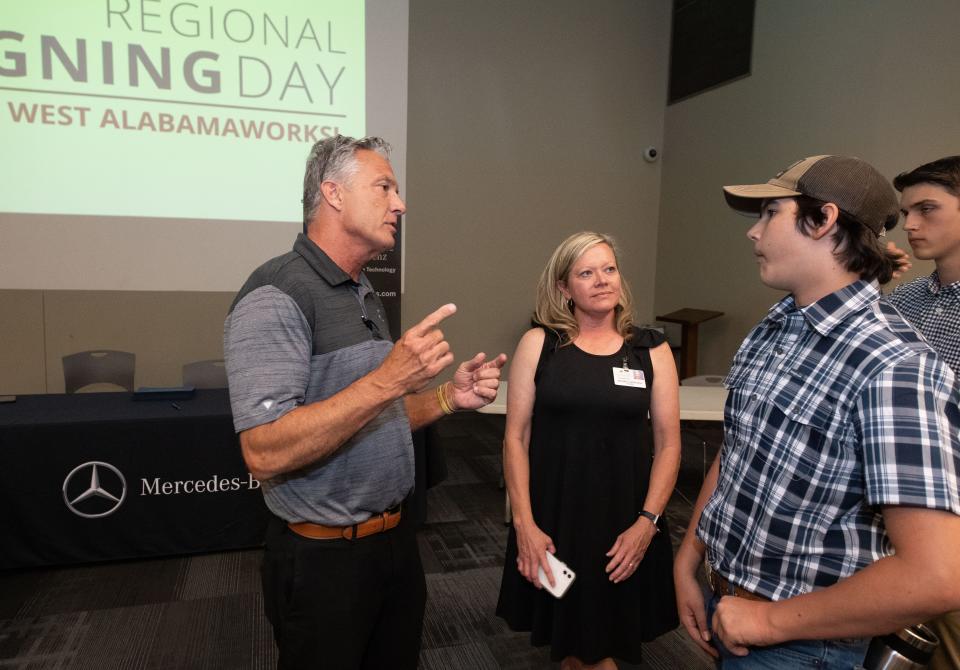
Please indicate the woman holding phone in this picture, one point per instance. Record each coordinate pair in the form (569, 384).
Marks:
(591, 455)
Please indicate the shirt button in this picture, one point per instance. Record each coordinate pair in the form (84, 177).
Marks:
(778, 351)
(939, 310)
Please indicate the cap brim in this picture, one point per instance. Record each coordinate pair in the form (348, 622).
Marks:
(747, 198)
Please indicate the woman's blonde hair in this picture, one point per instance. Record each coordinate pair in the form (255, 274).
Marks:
(552, 310)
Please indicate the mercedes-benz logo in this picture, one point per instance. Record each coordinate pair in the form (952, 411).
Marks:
(94, 494)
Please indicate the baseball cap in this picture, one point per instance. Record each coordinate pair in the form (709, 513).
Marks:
(852, 184)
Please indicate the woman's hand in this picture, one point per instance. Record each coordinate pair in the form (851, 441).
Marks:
(532, 547)
(628, 550)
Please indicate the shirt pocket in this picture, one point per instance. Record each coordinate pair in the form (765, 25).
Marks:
(825, 413)
(821, 468)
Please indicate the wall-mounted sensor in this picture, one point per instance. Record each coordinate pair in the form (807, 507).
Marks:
(650, 154)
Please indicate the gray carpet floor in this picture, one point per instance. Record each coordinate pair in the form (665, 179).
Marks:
(205, 611)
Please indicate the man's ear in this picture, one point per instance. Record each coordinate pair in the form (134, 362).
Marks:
(333, 194)
(830, 215)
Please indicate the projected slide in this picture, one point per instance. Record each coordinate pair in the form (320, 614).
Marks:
(179, 110)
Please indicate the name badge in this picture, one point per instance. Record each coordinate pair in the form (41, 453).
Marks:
(628, 377)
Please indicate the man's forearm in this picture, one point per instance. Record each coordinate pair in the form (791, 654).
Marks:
(313, 432)
(911, 586)
(423, 408)
(880, 599)
(692, 550)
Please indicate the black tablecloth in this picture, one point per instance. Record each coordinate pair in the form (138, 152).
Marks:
(99, 476)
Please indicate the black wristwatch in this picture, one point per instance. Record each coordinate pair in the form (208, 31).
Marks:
(654, 518)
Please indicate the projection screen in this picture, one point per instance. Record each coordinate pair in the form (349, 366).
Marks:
(160, 145)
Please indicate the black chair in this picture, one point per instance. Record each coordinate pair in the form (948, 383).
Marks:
(209, 374)
(98, 366)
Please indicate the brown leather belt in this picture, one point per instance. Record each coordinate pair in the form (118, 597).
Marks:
(375, 524)
(722, 587)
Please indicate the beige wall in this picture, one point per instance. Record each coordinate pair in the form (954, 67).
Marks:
(164, 329)
(526, 122)
(872, 78)
(21, 342)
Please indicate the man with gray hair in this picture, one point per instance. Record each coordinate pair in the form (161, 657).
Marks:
(324, 406)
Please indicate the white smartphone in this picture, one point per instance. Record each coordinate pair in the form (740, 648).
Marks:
(563, 576)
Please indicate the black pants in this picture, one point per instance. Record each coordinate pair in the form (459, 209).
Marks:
(344, 604)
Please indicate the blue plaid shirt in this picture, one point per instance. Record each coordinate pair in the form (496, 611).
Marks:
(834, 410)
(934, 310)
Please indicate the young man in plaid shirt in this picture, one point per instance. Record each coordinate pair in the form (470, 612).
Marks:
(832, 512)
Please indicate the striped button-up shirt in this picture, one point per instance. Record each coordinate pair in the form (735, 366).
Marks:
(834, 410)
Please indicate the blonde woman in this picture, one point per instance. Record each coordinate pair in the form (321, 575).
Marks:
(591, 454)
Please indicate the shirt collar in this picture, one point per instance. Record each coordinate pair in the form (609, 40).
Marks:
(934, 285)
(322, 264)
(831, 310)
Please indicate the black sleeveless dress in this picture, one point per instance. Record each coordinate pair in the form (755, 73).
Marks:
(591, 451)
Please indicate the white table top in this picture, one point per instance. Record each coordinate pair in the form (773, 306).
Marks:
(697, 403)
(702, 403)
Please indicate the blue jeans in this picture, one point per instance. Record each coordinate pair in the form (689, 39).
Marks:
(798, 655)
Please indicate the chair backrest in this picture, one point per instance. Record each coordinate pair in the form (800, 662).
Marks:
(205, 374)
(98, 366)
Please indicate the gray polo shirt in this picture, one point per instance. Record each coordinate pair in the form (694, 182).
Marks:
(301, 330)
